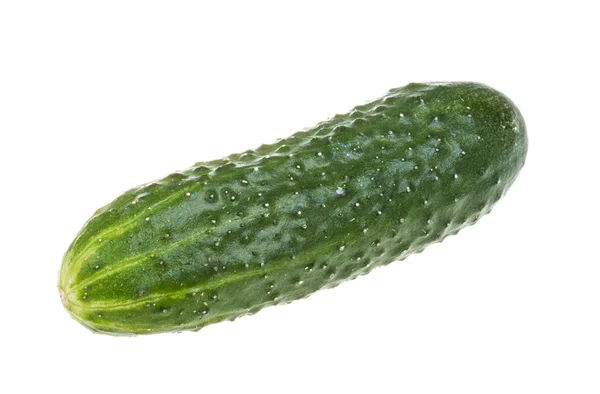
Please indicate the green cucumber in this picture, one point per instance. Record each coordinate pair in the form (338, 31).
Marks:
(228, 237)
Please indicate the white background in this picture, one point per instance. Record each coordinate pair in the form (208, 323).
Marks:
(97, 97)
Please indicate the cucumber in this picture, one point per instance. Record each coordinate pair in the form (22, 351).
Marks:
(226, 238)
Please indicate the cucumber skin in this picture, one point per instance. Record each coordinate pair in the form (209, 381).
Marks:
(228, 237)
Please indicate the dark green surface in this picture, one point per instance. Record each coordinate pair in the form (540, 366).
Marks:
(272, 225)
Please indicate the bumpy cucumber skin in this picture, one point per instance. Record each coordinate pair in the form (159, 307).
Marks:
(268, 226)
